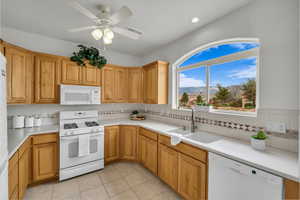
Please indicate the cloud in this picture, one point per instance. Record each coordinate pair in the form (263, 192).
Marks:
(190, 82)
(242, 46)
(249, 72)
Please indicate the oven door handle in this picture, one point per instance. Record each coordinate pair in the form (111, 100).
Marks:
(76, 136)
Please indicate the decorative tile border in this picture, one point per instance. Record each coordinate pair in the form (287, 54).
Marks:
(226, 124)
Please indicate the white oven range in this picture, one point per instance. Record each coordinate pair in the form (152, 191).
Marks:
(81, 143)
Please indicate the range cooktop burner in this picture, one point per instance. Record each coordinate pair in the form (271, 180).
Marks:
(70, 126)
(90, 124)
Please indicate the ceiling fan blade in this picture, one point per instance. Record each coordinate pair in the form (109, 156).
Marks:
(122, 14)
(128, 32)
(82, 29)
(83, 10)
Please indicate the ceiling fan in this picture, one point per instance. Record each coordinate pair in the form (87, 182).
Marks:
(106, 23)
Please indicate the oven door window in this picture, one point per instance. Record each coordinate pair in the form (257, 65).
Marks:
(73, 148)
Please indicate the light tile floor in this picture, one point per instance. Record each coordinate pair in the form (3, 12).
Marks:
(119, 181)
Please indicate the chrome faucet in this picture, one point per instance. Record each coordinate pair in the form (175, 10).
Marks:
(193, 126)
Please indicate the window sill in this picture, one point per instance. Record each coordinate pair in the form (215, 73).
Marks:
(235, 113)
(225, 112)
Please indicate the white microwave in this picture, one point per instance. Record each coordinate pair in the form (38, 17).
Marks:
(79, 95)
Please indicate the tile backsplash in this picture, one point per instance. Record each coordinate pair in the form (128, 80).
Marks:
(224, 124)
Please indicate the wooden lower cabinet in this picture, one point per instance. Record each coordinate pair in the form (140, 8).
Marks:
(45, 157)
(292, 190)
(148, 153)
(13, 177)
(192, 178)
(111, 143)
(128, 142)
(24, 168)
(168, 165)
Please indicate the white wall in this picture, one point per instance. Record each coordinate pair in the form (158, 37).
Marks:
(275, 23)
(40, 43)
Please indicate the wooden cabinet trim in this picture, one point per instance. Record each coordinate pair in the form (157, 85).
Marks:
(292, 190)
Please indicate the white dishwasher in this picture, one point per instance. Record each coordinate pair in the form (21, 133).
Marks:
(232, 180)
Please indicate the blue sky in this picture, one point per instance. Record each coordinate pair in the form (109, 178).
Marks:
(232, 73)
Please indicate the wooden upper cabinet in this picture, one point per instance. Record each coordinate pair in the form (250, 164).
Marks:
(19, 75)
(91, 75)
(111, 143)
(191, 178)
(108, 84)
(135, 85)
(1, 47)
(47, 78)
(121, 86)
(128, 142)
(70, 72)
(156, 83)
(114, 84)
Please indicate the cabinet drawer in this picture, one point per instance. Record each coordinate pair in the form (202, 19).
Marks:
(45, 138)
(187, 149)
(26, 145)
(148, 134)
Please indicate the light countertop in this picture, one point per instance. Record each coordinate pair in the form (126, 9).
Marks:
(276, 161)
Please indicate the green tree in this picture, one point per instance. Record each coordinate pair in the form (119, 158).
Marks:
(249, 90)
(199, 99)
(184, 98)
(223, 95)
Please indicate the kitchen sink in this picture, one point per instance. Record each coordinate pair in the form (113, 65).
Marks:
(197, 136)
(181, 131)
(203, 137)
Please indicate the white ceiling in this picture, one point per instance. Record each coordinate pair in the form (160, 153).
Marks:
(161, 21)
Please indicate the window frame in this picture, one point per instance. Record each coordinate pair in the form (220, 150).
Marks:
(254, 52)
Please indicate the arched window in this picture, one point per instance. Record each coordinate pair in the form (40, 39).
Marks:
(222, 74)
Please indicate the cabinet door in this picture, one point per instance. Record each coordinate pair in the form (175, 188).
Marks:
(128, 142)
(23, 173)
(191, 178)
(19, 75)
(47, 78)
(13, 177)
(44, 161)
(108, 84)
(121, 86)
(150, 84)
(168, 165)
(111, 144)
(70, 72)
(91, 75)
(148, 153)
(135, 85)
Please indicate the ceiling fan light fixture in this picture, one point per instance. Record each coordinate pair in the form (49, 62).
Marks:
(107, 40)
(108, 33)
(97, 34)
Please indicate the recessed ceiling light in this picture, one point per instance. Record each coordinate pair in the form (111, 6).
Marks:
(195, 20)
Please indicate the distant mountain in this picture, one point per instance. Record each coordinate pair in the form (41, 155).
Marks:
(235, 90)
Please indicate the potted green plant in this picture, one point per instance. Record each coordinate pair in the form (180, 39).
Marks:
(258, 141)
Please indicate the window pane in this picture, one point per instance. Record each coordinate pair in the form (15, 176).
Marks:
(192, 87)
(219, 50)
(233, 85)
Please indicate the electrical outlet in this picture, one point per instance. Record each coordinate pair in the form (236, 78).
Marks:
(278, 127)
